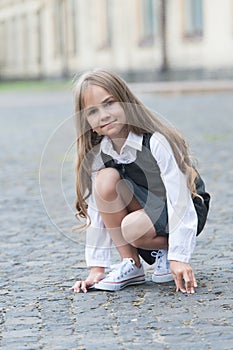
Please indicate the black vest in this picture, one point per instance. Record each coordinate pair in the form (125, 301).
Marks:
(144, 171)
(145, 178)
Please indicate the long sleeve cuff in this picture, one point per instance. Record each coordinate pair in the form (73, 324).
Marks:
(98, 247)
(98, 257)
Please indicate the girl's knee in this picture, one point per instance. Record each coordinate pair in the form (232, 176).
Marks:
(136, 227)
(128, 228)
(105, 183)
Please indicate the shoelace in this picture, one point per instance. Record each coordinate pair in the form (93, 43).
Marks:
(120, 269)
(157, 255)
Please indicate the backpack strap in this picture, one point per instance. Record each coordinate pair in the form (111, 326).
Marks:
(146, 140)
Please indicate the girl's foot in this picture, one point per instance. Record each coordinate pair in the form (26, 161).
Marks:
(162, 272)
(124, 274)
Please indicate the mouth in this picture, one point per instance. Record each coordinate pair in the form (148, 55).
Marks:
(107, 124)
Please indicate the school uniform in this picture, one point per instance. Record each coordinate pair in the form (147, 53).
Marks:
(147, 164)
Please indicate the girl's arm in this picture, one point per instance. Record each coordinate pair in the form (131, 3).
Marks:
(98, 241)
(182, 217)
(97, 250)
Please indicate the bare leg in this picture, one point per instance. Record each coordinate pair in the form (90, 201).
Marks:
(113, 209)
(127, 223)
(138, 230)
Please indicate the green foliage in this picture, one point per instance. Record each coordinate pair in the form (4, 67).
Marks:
(39, 85)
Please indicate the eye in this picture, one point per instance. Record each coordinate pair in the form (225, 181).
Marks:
(109, 103)
(91, 112)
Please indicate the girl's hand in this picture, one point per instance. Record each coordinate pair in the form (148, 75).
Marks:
(183, 271)
(96, 274)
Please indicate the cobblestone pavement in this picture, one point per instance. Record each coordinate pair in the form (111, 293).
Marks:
(39, 263)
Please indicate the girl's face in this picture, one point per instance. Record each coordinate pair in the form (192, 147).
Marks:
(104, 114)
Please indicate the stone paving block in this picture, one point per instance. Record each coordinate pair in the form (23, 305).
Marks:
(39, 263)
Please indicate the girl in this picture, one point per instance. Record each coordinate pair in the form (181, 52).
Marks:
(143, 193)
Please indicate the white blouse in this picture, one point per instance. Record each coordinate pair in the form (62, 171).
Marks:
(182, 217)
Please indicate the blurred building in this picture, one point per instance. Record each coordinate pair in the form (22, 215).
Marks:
(141, 38)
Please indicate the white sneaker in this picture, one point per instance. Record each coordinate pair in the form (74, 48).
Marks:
(162, 272)
(122, 275)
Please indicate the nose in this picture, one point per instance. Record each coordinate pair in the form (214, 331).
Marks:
(103, 113)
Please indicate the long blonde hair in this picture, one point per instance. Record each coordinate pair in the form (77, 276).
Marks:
(140, 120)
